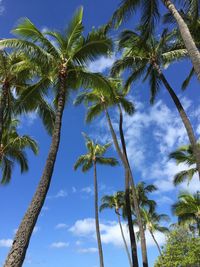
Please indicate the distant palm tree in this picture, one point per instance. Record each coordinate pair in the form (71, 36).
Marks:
(12, 150)
(147, 61)
(142, 191)
(149, 17)
(95, 156)
(99, 100)
(151, 220)
(63, 68)
(187, 208)
(116, 202)
(184, 154)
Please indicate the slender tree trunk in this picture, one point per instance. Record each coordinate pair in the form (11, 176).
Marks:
(130, 223)
(186, 36)
(20, 244)
(124, 240)
(3, 101)
(184, 117)
(156, 242)
(135, 200)
(97, 217)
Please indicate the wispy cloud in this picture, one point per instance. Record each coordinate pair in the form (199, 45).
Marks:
(87, 250)
(2, 7)
(61, 226)
(59, 245)
(60, 194)
(101, 64)
(6, 243)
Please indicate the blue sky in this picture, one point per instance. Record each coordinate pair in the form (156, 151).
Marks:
(64, 235)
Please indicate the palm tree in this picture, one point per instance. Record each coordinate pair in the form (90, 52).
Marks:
(184, 154)
(151, 220)
(12, 150)
(149, 17)
(16, 74)
(116, 202)
(146, 61)
(100, 101)
(187, 208)
(63, 63)
(94, 156)
(142, 191)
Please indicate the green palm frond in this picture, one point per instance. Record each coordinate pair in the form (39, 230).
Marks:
(184, 175)
(188, 79)
(6, 166)
(128, 106)
(93, 112)
(107, 161)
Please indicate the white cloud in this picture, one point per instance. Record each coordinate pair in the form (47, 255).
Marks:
(2, 8)
(87, 250)
(110, 232)
(88, 190)
(6, 243)
(60, 194)
(101, 64)
(61, 226)
(74, 190)
(59, 245)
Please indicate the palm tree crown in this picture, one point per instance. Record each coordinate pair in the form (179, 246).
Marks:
(12, 150)
(185, 155)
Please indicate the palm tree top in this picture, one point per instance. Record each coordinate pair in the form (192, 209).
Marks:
(95, 155)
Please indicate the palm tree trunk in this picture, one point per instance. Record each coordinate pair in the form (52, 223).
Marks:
(5, 89)
(184, 117)
(130, 223)
(20, 244)
(124, 240)
(186, 36)
(135, 200)
(97, 217)
(156, 242)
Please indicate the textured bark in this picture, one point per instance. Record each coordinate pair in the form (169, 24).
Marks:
(186, 36)
(135, 200)
(3, 101)
(156, 243)
(184, 118)
(124, 240)
(20, 244)
(97, 217)
(130, 224)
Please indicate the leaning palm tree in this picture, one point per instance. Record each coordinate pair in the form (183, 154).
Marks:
(99, 100)
(147, 61)
(187, 208)
(12, 150)
(62, 63)
(116, 202)
(94, 156)
(149, 17)
(184, 154)
(151, 221)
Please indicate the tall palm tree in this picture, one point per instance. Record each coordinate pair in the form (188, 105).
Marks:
(142, 191)
(100, 100)
(94, 156)
(152, 220)
(147, 61)
(116, 202)
(63, 63)
(149, 17)
(12, 150)
(184, 154)
(187, 208)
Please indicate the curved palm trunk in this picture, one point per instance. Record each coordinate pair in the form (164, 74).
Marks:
(135, 200)
(97, 217)
(184, 117)
(124, 240)
(156, 242)
(129, 215)
(5, 89)
(20, 244)
(186, 36)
